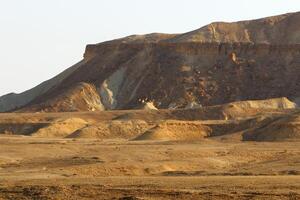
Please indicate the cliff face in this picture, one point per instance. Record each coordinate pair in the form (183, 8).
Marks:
(175, 75)
(173, 72)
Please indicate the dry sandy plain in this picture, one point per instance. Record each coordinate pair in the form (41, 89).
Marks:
(39, 168)
(38, 164)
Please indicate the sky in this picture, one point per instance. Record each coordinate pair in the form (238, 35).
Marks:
(41, 38)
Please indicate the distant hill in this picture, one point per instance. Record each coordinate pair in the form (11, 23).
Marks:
(216, 64)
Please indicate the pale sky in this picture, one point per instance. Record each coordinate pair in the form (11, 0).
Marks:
(41, 38)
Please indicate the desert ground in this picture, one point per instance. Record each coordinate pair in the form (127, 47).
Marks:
(41, 168)
(231, 151)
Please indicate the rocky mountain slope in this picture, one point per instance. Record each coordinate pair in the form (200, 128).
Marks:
(216, 64)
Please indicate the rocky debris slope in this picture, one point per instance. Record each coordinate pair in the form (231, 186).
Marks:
(80, 97)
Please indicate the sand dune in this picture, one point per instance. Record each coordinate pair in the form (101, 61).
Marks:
(112, 130)
(61, 128)
(172, 130)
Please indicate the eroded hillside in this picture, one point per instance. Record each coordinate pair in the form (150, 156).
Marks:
(216, 64)
(176, 75)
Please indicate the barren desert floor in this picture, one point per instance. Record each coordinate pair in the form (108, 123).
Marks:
(43, 168)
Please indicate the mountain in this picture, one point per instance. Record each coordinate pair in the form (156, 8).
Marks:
(216, 64)
(282, 29)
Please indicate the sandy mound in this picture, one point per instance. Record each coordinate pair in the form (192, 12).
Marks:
(276, 103)
(232, 111)
(287, 128)
(112, 129)
(176, 130)
(61, 128)
(242, 109)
